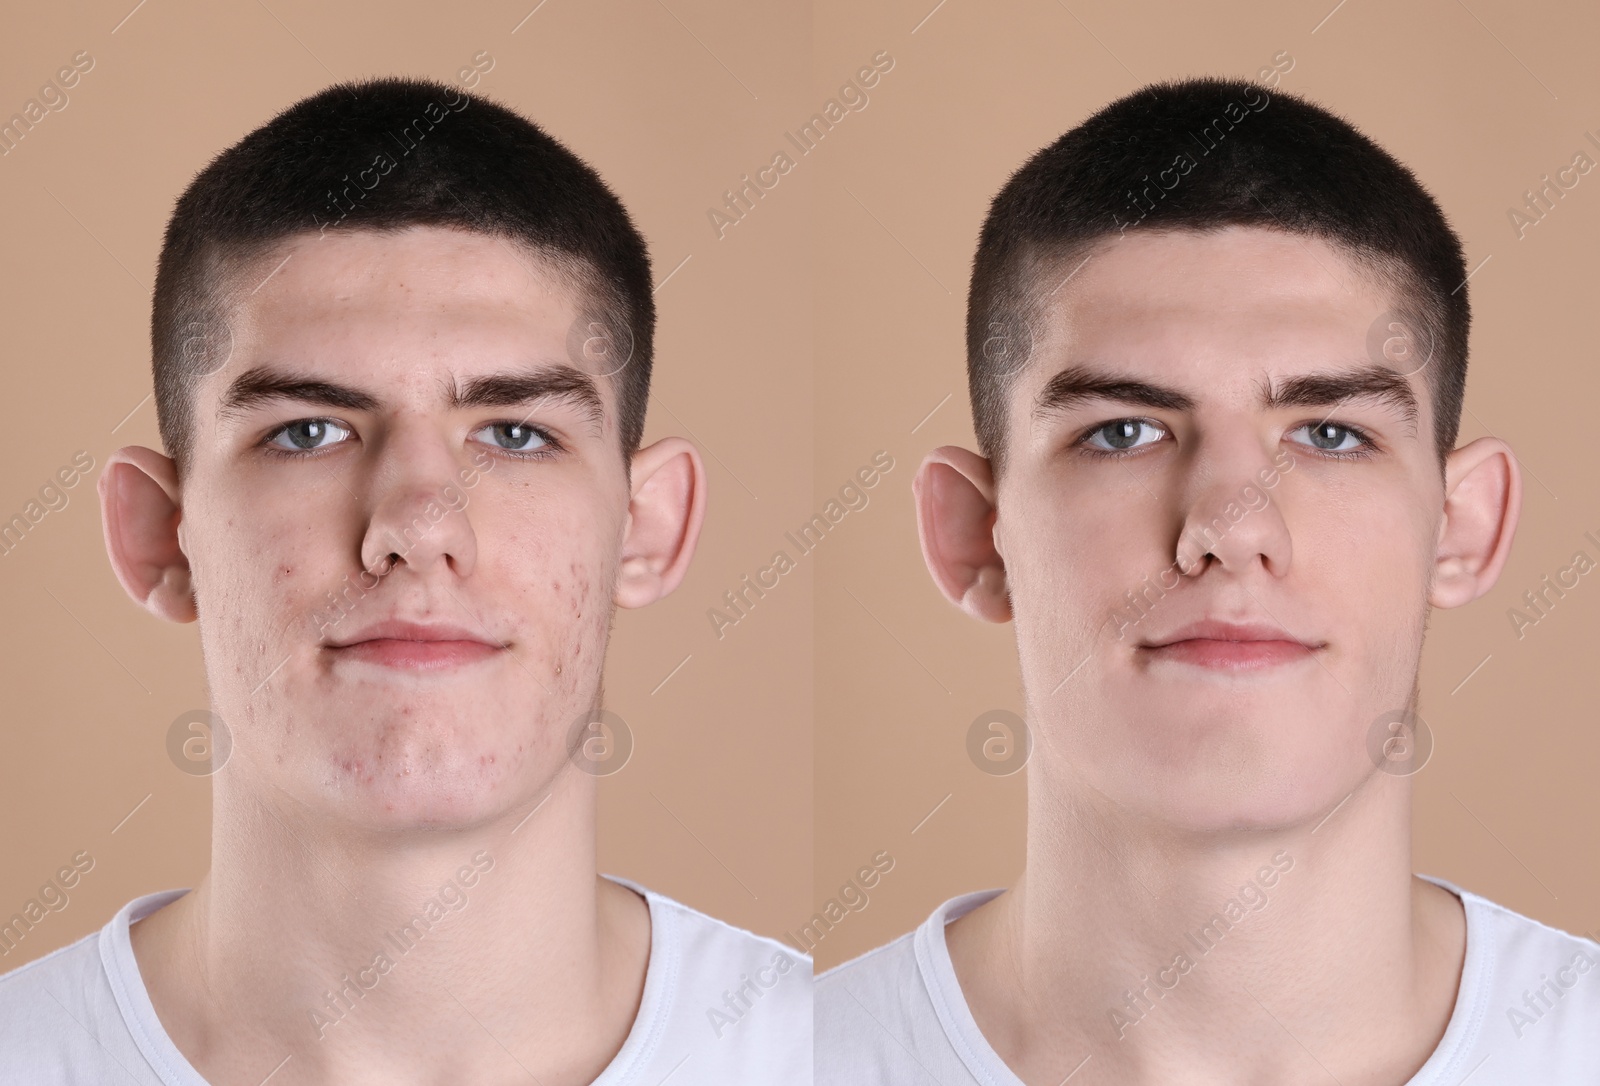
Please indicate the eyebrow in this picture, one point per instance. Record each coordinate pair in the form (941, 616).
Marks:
(264, 384)
(1374, 384)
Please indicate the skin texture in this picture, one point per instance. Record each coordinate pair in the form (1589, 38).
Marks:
(1157, 788)
(355, 791)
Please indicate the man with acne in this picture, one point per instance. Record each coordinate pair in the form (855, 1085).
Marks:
(1217, 348)
(402, 344)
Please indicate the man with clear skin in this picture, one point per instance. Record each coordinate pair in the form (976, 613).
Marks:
(407, 402)
(1205, 401)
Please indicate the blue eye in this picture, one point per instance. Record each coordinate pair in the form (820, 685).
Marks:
(1121, 435)
(516, 436)
(306, 435)
(1330, 437)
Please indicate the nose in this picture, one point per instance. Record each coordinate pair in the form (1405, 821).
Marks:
(419, 510)
(1230, 518)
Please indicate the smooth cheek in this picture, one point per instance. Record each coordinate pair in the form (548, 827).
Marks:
(1069, 561)
(1369, 563)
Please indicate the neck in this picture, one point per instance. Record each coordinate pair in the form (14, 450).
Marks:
(387, 956)
(1168, 951)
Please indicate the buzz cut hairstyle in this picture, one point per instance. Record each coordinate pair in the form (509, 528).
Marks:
(383, 155)
(1199, 155)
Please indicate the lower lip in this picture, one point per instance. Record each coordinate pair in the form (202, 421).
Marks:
(1231, 655)
(417, 655)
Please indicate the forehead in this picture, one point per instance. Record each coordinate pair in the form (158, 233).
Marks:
(1240, 300)
(425, 269)
(396, 300)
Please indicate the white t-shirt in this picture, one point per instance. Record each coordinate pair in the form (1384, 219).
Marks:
(896, 1014)
(82, 1015)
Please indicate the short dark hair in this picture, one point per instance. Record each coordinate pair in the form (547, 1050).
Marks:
(431, 161)
(1254, 159)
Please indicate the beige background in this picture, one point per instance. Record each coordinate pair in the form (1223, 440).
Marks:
(715, 806)
(823, 328)
(1481, 100)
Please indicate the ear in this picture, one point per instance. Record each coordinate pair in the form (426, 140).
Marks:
(665, 511)
(956, 510)
(141, 507)
(1482, 502)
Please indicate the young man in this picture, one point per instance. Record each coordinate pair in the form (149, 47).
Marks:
(402, 347)
(1217, 345)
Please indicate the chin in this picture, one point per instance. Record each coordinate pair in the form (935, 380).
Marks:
(414, 803)
(1218, 779)
(438, 780)
(1253, 754)
(1226, 806)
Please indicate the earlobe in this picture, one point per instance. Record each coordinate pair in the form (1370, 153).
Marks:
(141, 507)
(956, 510)
(665, 512)
(1482, 503)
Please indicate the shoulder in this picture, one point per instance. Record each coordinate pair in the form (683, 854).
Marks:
(888, 968)
(711, 939)
(1528, 1003)
(60, 1021)
(737, 1003)
(1522, 956)
(63, 974)
(876, 1022)
(1506, 947)
(906, 977)
(711, 955)
(898, 1014)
